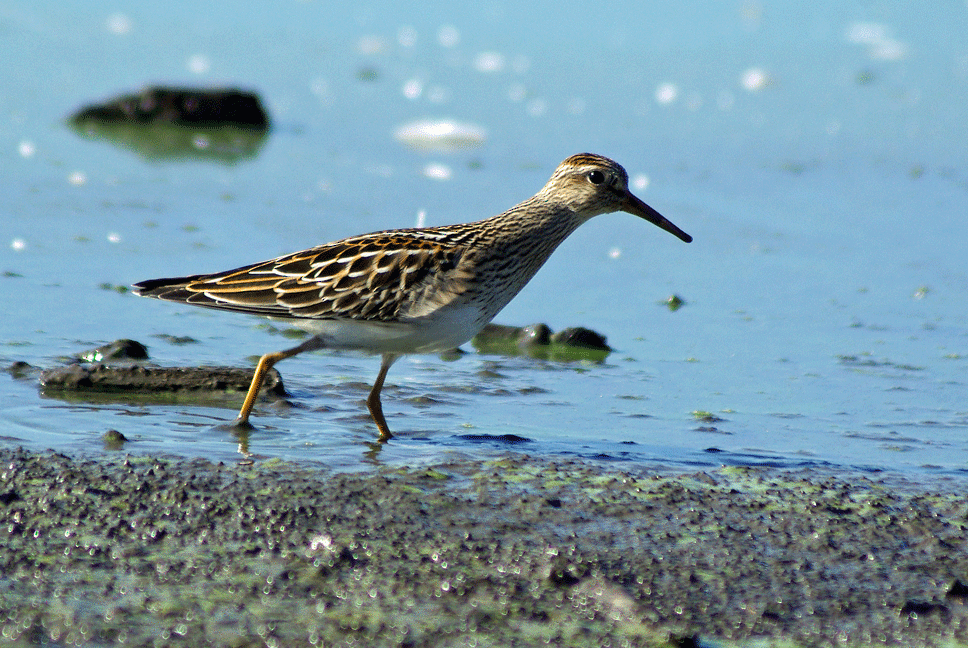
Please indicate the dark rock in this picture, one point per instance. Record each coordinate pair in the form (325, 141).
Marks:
(578, 336)
(921, 608)
(509, 439)
(538, 341)
(114, 436)
(114, 440)
(22, 370)
(137, 378)
(959, 590)
(498, 333)
(183, 106)
(118, 350)
(524, 337)
(177, 340)
(692, 641)
(534, 335)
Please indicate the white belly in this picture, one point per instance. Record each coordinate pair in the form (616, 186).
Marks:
(442, 331)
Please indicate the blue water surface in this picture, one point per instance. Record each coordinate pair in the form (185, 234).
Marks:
(816, 153)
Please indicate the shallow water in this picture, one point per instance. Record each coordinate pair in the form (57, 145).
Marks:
(816, 155)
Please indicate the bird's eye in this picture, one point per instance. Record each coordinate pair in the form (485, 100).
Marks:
(596, 177)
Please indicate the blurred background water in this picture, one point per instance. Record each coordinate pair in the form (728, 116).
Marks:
(817, 153)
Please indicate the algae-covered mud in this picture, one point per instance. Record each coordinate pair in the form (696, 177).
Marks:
(516, 551)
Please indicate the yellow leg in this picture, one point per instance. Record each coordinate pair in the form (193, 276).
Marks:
(373, 400)
(266, 363)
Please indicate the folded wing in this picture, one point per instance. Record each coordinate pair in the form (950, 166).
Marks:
(362, 278)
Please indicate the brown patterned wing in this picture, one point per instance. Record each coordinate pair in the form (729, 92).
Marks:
(371, 277)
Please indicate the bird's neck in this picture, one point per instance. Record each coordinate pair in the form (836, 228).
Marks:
(535, 222)
(520, 241)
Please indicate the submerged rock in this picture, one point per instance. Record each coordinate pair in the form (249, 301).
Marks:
(538, 341)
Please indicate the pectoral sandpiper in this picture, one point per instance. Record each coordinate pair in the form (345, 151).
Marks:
(412, 290)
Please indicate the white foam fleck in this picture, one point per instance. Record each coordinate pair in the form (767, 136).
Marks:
(666, 93)
(199, 64)
(119, 24)
(755, 79)
(412, 89)
(437, 171)
(489, 62)
(878, 40)
(448, 36)
(866, 33)
(440, 134)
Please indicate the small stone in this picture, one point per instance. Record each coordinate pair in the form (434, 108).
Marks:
(581, 337)
(113, 440)
(118, 350)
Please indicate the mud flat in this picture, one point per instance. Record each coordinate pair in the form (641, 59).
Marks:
(509, 552)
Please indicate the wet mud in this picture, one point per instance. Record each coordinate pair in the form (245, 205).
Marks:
(509, 552)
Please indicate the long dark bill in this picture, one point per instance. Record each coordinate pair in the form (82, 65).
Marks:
(639, 208)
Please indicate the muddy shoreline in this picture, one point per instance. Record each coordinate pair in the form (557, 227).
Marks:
(514, 551)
